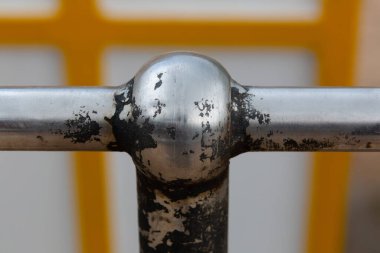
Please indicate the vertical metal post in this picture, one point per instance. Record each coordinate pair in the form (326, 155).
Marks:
(183, 218)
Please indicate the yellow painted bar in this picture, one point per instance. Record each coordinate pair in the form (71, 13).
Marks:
(90, 169)
(82, 65)
(91, 189)
(327, 220)
(66, 29)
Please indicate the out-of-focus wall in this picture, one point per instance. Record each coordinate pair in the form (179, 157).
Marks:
(209, 9)
(363, 231)
(37, 212)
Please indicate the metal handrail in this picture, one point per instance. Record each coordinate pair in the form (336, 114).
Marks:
(181, 118)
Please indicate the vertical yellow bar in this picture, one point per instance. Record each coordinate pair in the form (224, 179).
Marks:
(77, 21)
(330, 173)
(82, 54)
(90, 174)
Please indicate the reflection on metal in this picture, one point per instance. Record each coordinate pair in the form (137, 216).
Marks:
(182, 118)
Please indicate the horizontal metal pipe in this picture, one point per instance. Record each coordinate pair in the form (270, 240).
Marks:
(263, 119)
(309, 119)
(55, 118)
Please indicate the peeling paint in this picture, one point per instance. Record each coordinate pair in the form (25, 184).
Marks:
(244, 116)
(134, 133)
(80, 129)
(187, 218)
(166, 219)
(196, 135)
(242, 112)
(211, 147)
(306, 145)
(204, 106)
(171, 132)
(159, 83)
(158, 107)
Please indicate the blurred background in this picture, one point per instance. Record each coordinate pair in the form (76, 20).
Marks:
(279, 202)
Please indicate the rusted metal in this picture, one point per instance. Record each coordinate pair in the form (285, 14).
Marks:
(181, 118)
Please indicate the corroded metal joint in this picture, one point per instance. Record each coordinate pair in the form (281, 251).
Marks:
(173, 118)
(182, 118)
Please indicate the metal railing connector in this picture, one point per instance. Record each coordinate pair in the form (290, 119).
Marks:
(181, 118)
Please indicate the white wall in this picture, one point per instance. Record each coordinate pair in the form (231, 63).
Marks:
(36, 188)
(210, 9)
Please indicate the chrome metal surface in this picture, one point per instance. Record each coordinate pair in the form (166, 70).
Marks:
(305, 119)
(182, 118)
(55, 118)
(186, 100)
(189, 108)
(180, 106)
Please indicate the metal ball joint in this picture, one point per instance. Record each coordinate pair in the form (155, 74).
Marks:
(174, 117)
(188, 118)
(182, 118)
